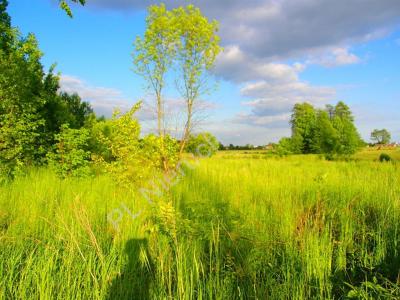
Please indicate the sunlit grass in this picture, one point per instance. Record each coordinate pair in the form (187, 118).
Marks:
(232, 228)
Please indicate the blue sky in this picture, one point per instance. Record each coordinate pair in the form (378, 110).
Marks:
(276, 53)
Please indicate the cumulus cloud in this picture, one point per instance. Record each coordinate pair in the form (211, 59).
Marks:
(103, 100)
(235, 65)
(273, 88)
(261, 36)
(270, 28)
(336, 57)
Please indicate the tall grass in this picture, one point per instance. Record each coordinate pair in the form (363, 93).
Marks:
(290, 228)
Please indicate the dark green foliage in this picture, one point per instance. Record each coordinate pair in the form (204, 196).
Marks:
(384, 157)
(285, 147)
(5, 26)
(381, 136)
(331, 131)
(349, 138)
(31, 110)
(303, 127)
(22, 96)
(326, 137)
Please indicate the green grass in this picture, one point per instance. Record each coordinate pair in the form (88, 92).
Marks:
(232, 228)
(374, 153)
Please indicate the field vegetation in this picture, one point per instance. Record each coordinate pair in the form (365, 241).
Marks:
(91, 208)
(234, 228)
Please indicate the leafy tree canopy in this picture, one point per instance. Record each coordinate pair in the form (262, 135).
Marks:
(381, 136)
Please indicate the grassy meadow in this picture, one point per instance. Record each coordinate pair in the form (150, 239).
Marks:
(236, 226)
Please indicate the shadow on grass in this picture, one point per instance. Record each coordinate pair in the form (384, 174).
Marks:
(227, 245)
(134, 280)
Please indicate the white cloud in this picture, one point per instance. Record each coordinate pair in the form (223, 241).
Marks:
(272, 87)
(103, 100)
(286, 28)
(335, 57)
(261, 36)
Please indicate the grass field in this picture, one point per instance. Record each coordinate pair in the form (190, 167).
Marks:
(234, 227)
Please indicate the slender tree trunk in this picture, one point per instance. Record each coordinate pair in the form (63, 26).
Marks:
(187, 129)
(161, 130)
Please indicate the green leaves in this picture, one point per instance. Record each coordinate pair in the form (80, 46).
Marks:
(71, 157)
(182, 39)
(64, 6)
(31, 110)
(330, 131)
(381, 136)
(204, 144)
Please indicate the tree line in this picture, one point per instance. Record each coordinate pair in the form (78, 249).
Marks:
(330, 131)
(32, 110)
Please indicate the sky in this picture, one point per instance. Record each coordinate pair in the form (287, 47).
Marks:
(276, 53)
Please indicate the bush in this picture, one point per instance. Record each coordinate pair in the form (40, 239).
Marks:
(203, 144)
(385, 157)
(161, 150)
(71, 157)
(285, 147)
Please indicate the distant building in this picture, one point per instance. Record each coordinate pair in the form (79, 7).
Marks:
(270, 146)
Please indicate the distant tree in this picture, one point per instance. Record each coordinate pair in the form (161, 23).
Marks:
(65, 109)
(303, 123)
(381, 136)
(349, 140)
(326, 137)
(197, 49)
(331, 131)
(285, 146)
(202, 144)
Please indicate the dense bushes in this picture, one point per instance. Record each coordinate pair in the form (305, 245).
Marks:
(71, 155)
(39, 123)
(32, 111)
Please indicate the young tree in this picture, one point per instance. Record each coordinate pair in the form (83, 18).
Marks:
(127, 158)
(326, 137)
(303, 123)
(203, 144)
(153, 56)
(381, 136)
(349, 140)
(197, 49)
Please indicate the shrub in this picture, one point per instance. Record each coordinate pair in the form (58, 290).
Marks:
(285, 147)
(160, 151)
(71, 157)
(385, 157)
(203, 144)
